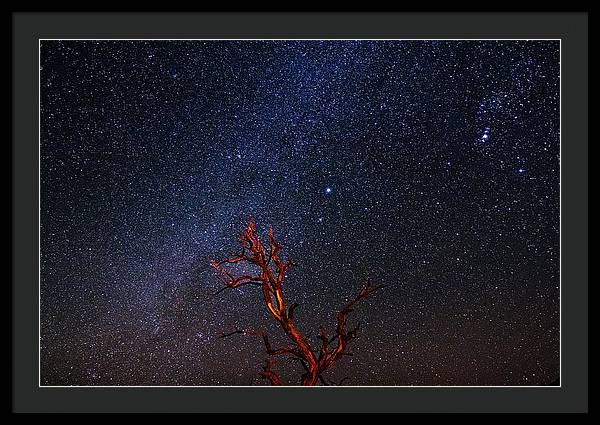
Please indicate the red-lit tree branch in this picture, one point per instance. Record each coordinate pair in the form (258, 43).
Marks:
(270, 273)
(268, 373)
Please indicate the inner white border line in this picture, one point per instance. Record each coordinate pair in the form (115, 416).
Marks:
(299, 39)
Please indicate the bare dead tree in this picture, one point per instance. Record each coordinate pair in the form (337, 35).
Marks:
(270, 273)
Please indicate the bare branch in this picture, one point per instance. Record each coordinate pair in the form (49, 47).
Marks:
(270, 350)
(237, 331)
(269, 374)
(343, 337)
(291, 311)
(324, 344)
(270, 275)
(236, 284)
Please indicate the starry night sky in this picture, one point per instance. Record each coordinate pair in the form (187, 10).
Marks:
(429, 166)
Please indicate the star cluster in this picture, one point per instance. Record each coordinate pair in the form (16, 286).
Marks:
(428, 166)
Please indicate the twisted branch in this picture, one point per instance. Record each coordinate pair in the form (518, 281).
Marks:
(270, 273)
(268, 373)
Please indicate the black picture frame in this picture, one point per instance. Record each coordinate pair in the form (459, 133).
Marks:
(570, 28)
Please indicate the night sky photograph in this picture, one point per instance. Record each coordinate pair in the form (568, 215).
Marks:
(299, 212)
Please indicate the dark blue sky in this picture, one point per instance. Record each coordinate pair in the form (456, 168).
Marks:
(430, 166)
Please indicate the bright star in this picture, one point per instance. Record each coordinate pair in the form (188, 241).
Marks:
(486, 134)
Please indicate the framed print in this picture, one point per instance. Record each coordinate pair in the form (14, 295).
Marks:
(241, 206)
